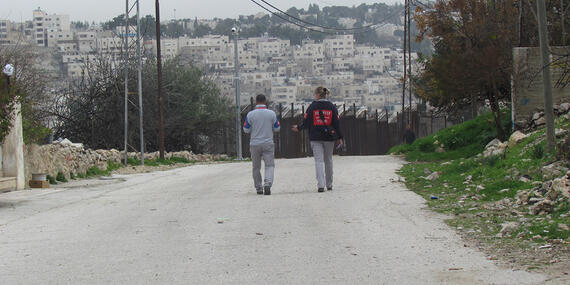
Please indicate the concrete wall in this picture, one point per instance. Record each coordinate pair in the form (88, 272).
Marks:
(13, 151)
(527, 93)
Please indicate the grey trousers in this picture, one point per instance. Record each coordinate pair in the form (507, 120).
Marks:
(323, 152)
(267, 152)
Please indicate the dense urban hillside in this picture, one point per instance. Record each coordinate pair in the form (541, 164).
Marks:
(386, 32)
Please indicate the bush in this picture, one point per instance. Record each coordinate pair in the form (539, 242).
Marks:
(491, 160)
(401, 149)
(538, 151)
(60, 177)
(51, 180)
(425, 145)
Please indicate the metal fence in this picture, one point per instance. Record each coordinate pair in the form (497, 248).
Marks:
(364, 133)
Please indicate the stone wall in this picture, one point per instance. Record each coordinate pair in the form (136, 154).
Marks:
(527, 93)
(12, 157)
(68, 158)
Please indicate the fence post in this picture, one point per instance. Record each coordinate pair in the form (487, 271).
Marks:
(292, 110)
(344, 109)
(445, 120)
(251, 105)
(431, 122)
(354, 107)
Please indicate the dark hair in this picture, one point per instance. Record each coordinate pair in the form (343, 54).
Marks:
(260, 98)
(322, 92)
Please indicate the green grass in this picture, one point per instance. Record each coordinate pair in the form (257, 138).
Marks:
(475, 209)
(459, 141)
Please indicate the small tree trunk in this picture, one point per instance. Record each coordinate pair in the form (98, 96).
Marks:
(497, 115)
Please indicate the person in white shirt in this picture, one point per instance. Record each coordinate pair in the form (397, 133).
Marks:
(261, 123)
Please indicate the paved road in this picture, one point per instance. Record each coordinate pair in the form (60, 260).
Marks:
(204, 225)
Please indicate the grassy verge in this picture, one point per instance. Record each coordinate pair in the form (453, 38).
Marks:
(479, 193)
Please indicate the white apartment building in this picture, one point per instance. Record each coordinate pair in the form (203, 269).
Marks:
(338, 78)
(273, 47)
(5, 28)
(339, 46)
(284, 94)
(45, 25)
(86, 41)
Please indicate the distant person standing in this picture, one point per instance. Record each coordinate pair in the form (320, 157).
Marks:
(322, 121)
(261, 123)
(409, 135)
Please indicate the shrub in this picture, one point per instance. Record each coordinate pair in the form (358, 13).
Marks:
(60, 177)
(51, 180)
(491, 160)
(425, 145)
(538, 151)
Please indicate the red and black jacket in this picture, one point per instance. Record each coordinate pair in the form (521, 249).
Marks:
(321, 117)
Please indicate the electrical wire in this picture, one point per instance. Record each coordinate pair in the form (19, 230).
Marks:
(287, 20)
(378, 25)
(317, 25)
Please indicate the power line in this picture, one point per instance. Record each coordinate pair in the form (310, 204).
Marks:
(317, 25)
(287, 20)
(378, 25)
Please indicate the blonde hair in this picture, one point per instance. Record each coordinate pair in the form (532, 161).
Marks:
(322, 92)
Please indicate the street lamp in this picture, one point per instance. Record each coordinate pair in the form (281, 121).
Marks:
(235, 32)
(8, 72)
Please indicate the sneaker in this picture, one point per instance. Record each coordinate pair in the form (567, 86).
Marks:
(329, 188)
(267, 190)
(259, 191)
(321, 190)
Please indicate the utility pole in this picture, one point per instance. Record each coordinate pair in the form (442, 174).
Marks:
(139, 76)
(126, 59)
(405, 65)
(547, 81)
(235, 32)
(159, 71)
(409, 62)
(562, 23)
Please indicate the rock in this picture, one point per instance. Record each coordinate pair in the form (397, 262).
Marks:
(560, 133)
(535, 200)
(433, 177)
(564, 108)
(537, 116)
(480, 188)
(561, 186)
(440, 150)
(542, 207)
(540, 122)
(525, 179)
(493, 143)
(516, 138)
(522, 197)
(554, 169)
(427, 171)
(509, 227)
(564, 227)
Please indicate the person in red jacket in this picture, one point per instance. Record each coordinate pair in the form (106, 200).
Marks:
(323, 122)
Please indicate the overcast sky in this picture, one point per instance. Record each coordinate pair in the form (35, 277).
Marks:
(101, 10)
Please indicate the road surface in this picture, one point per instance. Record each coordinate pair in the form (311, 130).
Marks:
(204, 225)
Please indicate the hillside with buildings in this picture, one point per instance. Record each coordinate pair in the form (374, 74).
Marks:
(358, 71)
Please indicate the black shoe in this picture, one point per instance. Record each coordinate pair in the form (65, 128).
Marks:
(260, 191)
(267, 190)
(321, 190)
(329, 188)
